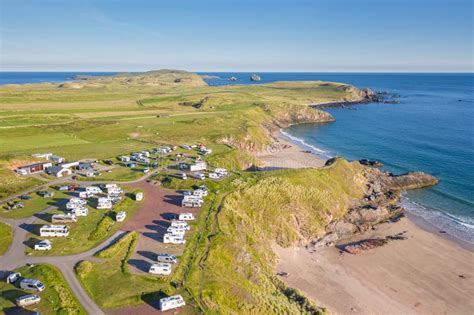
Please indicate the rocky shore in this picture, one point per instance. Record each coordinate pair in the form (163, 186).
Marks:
(379, 204)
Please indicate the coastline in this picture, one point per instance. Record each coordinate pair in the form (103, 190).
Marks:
(428, 272)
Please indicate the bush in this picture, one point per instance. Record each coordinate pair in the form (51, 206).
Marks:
(102, 229)
(117, 247)
(83, 268)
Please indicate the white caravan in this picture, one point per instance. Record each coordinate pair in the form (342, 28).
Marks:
(104, 203)
(171, 303)
(173, 239)
(93, 190)
(54, 231)
(160, 269)
(214, 176)
(80, 212)
(84, 194)
(180, 224)
(27, 300)
(176, 231)
(187, 216)
(32, 284)
(191, 202)
(200, 192)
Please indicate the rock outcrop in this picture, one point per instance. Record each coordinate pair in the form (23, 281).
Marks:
(255, 77)
(379, 204)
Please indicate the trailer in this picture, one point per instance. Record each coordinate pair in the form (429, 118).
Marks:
(27, 300)
(32, 284)
(160, 269)
(169, 238)
(172, 302)
(64, 218)
(54, 231)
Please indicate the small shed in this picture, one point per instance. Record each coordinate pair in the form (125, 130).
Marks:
(59, 171)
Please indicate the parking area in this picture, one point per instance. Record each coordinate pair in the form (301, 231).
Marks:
(151, 221)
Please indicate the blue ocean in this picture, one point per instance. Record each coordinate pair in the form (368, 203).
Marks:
(430, 129)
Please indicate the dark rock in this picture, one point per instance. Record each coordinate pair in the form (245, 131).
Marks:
(255, 77)
(373, 163)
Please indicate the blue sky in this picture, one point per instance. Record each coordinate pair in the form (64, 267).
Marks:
(225, 35)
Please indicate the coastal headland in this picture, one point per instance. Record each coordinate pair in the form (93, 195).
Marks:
(269, 238)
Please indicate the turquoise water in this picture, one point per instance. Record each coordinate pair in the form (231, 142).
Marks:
(430, 130)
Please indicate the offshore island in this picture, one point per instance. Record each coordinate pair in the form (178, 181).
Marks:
(273, 228)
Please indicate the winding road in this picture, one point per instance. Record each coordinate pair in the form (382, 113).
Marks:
(15, 256)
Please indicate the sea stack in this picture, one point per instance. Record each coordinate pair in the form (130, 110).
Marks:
(232, 79)
(255, 77)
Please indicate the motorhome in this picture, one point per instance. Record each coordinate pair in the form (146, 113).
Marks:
(104, 203)
(27, 300)
(120, 216)
(32, 284)
(160, 269)
(84, 194)
(176, 231)
(200, 192)
(214, 176)
(172, 302)
(169, 238)
(187, 216)
(139, 196)
(63, 218)
(43, 245)
(54, 231)
(180, 224)
(166, 258)
(191, 201)
(80, 211)
(93, 190)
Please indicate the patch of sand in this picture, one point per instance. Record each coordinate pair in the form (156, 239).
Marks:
(424, 274)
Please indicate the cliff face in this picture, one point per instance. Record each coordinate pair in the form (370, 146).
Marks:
(379, 203)
(301, 115)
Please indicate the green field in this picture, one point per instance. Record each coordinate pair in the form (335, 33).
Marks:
(6, 237)
(228, 265)
(35, 205)
(56, 299)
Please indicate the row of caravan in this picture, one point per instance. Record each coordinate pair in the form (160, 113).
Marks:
(176, 231)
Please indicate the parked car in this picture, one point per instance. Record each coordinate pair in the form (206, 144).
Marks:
(108, 162)
(15, 205)
(13, 277)
(146, 170)
(45, 194)
(26, 197)
(200, 176)
(166, 258)
(43, 245)
(63, 188)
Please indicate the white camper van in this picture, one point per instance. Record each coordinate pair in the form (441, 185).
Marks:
(187, 216)
(169, 238)
(192, 201)
(93, 190)
(166, 258)
(54, 231)
(176, 231)
(171, 303)
(80, 211)
(32, 284)
(63, 218)
(180, 224)
(27, 300)
(120, 216)
(139, 196)
(160, 269)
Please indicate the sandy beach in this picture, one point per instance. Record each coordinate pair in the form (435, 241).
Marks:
(423, 274)
(287, 155)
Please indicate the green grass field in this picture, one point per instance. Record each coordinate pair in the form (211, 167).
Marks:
(6, 237)
(56, 299)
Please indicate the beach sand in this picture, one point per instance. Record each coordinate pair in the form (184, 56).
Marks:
(287, 155)
(424, 274)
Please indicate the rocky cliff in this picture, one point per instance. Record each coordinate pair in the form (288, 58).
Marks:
(379, 203)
